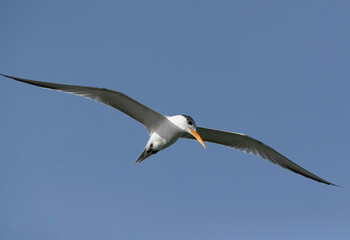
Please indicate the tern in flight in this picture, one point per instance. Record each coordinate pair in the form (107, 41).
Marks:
(166, 130)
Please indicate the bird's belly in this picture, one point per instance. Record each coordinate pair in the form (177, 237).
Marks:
(161, 142)
(165, 135)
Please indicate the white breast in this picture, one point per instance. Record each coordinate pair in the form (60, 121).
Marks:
(167, 133)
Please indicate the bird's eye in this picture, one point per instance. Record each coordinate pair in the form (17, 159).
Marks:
(190, 122)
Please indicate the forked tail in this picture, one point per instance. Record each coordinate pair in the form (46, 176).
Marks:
(145, 154)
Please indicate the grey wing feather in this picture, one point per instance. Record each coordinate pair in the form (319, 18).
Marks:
(250, 145)
(117, 100)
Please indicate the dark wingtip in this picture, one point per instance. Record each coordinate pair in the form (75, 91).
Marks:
(335, 185)
(328, 183)
(8, 76)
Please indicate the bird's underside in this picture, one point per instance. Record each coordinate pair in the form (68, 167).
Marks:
(179, 125)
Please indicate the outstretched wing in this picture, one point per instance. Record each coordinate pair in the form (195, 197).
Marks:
(148, 117)
(250, 145)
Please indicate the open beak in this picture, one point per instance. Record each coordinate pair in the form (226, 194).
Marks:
(196, 135)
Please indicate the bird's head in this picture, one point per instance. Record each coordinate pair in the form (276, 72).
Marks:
(190, 126)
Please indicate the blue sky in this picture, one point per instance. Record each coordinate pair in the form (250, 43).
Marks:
(275, 70)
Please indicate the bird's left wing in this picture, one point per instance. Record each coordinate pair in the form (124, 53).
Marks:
(148, 117)
(250, 145)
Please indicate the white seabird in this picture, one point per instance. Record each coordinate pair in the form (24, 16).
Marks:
(165, 130)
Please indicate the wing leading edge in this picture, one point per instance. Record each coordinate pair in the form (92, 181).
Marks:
(250, 145)
(148, 117)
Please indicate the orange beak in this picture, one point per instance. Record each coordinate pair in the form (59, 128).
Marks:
(196, 135)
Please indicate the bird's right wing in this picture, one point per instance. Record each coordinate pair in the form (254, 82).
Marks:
(250, 145)
(148, 117)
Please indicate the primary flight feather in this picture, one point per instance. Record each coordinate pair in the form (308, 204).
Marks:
(166, 130)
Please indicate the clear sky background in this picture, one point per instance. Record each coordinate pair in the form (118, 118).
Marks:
(275, 70)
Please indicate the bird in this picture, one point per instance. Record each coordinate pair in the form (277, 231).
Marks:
(166, 130)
